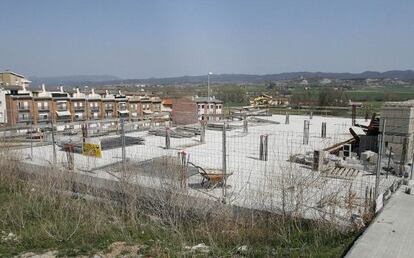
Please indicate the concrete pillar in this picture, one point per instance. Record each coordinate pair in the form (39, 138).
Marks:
(167, 138)
(353, 114)
(287, 118)
(318, 160)
(306, 132)
(323, 131)
(263, 148)
(203, 133)
(245, 125)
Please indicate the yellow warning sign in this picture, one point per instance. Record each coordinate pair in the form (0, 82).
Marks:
(92, 149)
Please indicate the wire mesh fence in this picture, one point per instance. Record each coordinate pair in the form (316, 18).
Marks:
(309, 166)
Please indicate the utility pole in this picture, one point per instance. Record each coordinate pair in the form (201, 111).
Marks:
(380, 150)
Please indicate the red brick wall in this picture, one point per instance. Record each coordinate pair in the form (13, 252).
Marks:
(184, 111)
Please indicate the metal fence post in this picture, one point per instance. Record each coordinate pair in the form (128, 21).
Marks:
(412, 164)
(379, 160)
(224, 165)
(31, 136)
(53, 141)
(203, 132)
(245, 125)
(403, 156)
(353, 115)
(123, 144)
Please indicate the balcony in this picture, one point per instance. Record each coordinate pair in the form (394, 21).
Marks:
(79, 118)
(23, 120)
(94, 109)
(109, 108)
(43, 109)
(79, 108)
(42, 119)
(23, 108)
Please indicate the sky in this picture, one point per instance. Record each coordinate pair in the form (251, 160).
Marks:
(163, 38)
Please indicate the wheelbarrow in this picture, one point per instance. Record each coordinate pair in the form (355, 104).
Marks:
(211, 178)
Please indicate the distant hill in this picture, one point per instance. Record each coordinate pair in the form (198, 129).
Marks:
(72, 79)
(218, 78)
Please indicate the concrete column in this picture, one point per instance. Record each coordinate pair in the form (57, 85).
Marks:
(167, 138)
(353, 114)
(245, 125)
(203, 133)
(323, 131)
(263, 148)
(318, 159)
(306, 132)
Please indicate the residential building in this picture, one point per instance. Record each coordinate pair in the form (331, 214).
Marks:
(19, 106)
(135, 107)
(208, 109)
(166, 105)
(9, 78)
(43, 107)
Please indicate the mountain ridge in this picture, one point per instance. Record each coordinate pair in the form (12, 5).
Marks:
(72, 80)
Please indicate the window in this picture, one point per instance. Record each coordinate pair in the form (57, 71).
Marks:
(23, 105)
(202, 106)
(23, 117)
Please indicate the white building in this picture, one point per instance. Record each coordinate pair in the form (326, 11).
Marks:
(210, 109)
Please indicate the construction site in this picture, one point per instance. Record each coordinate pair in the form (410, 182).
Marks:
(335, 168)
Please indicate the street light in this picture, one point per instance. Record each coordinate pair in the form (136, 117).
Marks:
(208, 95)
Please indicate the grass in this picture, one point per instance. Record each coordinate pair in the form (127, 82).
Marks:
(45, 219)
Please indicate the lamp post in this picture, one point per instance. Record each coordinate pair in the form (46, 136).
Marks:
(208, 95)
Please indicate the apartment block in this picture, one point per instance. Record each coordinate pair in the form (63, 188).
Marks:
(208, 108)
(24, 107)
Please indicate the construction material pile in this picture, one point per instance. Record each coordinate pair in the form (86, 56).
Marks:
(196, 129)
(177, 133)
(219, 126)
(262, 120)
(106, 143)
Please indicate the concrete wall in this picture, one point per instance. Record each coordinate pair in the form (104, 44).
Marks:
(3, 110)
(184, 111)
(399, 128)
